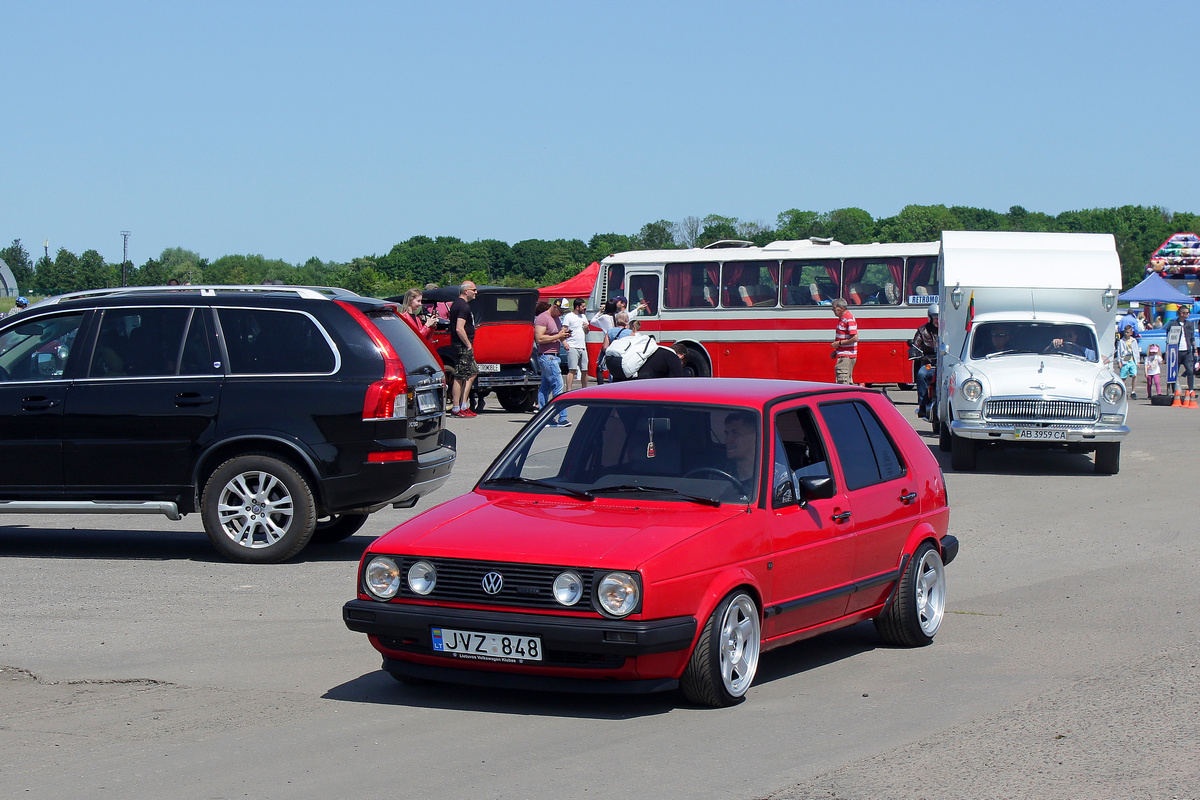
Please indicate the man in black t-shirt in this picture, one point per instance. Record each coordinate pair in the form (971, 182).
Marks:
(462, 336)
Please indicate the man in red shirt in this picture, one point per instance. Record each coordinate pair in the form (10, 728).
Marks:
(844, 347)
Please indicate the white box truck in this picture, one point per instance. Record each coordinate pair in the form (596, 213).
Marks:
(1026, 341)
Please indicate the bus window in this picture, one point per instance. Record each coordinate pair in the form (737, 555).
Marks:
(644, 288)
(750, 283)
(810, 283)
(873, 281)
(692, 285)
(616, 281)
(921, 288)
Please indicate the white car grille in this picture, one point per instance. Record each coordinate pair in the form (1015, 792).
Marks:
(1046, 411)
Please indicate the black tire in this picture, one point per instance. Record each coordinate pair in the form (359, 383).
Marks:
(725, 659)
(944, 435)
(337, 527)
(1108, 458)
(915, 613)
(696, 365)
(935, 422)
(273, 532)
(518, 400)
(963, 453)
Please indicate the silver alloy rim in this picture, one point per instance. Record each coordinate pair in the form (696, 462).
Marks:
(739, 645)
(255, 509)
(931, 592)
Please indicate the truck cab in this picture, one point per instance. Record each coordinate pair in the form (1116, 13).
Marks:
(1025, 350)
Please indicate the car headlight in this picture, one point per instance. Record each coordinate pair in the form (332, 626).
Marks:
(382, 577)
(618, 593)
(1113, 392)
(568, 588)
(972, 389)
(422, 577)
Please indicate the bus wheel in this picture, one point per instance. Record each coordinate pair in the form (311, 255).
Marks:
(696, 365)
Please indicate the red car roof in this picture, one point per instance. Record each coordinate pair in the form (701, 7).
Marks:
(721, 391)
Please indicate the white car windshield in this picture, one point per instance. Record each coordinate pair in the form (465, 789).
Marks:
(998, 339)
(650, 451)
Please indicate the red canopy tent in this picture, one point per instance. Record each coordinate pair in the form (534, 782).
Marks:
(579, 286)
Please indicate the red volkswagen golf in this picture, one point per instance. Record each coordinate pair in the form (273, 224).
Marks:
(669, 535)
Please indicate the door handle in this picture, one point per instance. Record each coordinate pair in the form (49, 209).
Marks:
(908, 499)
(842, 517)
(192, 399)
(38, 403)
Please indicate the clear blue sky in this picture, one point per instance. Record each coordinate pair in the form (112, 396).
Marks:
(298, 129)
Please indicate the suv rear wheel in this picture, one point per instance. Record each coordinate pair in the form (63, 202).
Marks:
(258, 509)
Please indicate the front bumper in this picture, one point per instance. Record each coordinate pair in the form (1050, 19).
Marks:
(569, 642)
(1007, 432)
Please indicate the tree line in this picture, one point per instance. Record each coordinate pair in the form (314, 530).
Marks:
(447, 260)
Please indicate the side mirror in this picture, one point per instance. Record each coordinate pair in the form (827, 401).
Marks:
(816, 487)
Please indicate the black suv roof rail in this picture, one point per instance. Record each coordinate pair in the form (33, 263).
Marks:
(306, 292)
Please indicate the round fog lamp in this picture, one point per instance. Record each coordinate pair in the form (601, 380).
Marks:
(422, 577)
(618, 593)
(382, 577)
(568, 588)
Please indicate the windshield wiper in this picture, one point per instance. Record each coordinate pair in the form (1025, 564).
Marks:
(543, 485)
(1000, 353)
(708, 501)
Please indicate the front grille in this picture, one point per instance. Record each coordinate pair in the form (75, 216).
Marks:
(525, 585)
(1048, 411)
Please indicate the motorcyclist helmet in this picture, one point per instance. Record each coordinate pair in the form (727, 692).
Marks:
(933, 310)
(22, 302)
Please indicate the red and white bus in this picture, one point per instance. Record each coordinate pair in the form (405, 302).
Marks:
(764, 312)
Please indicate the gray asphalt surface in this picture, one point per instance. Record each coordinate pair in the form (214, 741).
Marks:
(137, 663)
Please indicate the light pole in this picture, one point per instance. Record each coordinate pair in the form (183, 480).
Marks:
(124, 256)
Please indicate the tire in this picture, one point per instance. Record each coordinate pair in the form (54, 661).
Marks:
(1108, 458)
(916, 612)
(337, 527)
(517, 400)
(275, 497)
(696, 365)
(935, 422)
(944, 435)
(963, 453)
(725, 659)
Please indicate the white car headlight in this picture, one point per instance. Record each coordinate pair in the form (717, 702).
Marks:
(422, 577)
(568, 588)
(1113, 392)
(382, 577)
(972, 389)
(618, 593)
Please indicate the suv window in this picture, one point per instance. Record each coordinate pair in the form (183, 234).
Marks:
(39, 351)
(139, 341)
(268, 341)
(867, 454)
(408, 346)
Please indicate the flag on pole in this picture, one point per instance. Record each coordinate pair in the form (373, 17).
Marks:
(971, 312)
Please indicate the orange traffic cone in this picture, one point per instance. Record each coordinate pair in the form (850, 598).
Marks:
(1176, 403)
(1190, 402)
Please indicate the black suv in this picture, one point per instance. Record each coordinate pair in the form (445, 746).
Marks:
(282, 414)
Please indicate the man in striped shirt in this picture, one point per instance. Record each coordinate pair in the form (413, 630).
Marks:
(845, 343)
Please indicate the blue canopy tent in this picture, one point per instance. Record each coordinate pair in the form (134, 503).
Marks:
(1155, 290)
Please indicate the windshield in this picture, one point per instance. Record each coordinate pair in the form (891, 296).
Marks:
(999, 339)
(648, 451)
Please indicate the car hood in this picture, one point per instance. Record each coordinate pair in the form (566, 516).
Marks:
(540, 529)
(1040, 375)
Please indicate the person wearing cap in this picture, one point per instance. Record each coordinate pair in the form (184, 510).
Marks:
(641, 309)
(20, 306)
(1153, 362)
(924, 343)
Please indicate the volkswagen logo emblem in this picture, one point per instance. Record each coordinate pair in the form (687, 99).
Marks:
(493, 582)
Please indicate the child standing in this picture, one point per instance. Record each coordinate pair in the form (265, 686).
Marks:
(1153, 363)
(1128, 354)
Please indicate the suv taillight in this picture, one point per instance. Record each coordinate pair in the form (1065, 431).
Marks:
(383, 396)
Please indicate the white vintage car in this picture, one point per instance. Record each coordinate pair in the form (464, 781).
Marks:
(1030, 379)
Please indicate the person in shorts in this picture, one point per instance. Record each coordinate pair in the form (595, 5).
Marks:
(462, 335)
(576, 324)
(844, 347)
(1128, 354)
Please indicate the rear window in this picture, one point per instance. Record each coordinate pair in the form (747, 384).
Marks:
(412, 351)
(268, 341)
(867, 453)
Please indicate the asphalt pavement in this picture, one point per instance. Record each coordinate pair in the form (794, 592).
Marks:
(135, 662)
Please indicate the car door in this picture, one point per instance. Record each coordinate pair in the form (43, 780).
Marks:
(812, 543)
(37, 360)
(147, 406)
(882, 494)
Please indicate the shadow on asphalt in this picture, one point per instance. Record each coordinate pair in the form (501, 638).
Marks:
(379, 687)
(29, 542)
